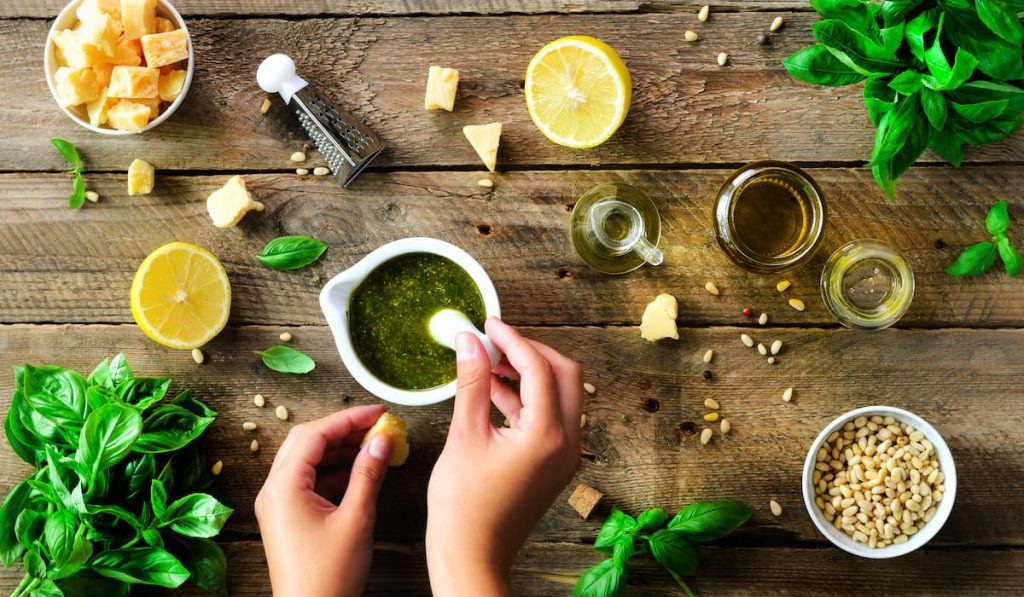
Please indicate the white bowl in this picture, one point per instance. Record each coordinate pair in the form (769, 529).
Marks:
(65, 20)
(930, 528)
(337, 293)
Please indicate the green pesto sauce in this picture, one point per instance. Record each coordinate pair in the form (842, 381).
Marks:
(389, 318)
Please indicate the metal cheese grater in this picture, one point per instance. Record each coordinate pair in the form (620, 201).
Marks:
(347, 144)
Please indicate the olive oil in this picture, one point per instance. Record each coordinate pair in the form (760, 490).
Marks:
(770, 216)
(615, 229)
(867, 285)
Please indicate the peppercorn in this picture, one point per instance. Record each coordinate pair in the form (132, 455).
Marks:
(708, 374)
(747, 312)
(939, 244)
(765, 39)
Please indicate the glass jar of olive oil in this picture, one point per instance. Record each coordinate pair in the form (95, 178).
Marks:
(866, 285)
(769, 217)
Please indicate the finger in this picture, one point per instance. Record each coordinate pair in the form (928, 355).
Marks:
(311, 440)
(331, 484)
(569, 379)
(505, 369)
(537, 389)
(365, 479)
(506, 399)
(473, 396)
(338, 456)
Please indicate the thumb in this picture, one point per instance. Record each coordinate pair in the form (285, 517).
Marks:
(473, 396)
(367, 475)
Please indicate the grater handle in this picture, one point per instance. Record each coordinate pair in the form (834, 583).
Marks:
(276, 74)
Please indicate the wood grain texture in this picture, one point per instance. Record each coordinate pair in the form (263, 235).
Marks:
(686, 109)
(76, 266)
(965, 382)
(545, 569)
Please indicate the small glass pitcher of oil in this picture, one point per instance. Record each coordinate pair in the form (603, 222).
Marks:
(615, 229)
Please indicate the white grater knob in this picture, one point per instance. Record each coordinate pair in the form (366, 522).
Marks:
(276, 74)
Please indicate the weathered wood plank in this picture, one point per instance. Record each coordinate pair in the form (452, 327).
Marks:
(61, 265)
(685, 110)
(641, 441)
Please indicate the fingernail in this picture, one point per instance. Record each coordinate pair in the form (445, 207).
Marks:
(465, 347)
(379, 447)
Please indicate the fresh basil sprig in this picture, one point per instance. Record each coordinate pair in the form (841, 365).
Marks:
(285, 359)
(979, 258)
(672, 543)
(117, 498)
(291, 252)
(70, 153)
(938, 74)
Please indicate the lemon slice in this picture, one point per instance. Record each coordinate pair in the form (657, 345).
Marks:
(181, 296)
(578, 91)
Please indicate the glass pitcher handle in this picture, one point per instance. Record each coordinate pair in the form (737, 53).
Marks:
(650, 253)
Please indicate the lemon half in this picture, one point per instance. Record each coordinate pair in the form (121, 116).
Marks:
(578, 91)
(181, 296)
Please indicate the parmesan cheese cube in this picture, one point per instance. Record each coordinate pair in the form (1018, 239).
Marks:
(97, 109)
(76, 86)
(165, 48)
(141, 175)
(102, 71)
(127, 53)
(170, 85)
(126, 115)
(442, 84)
(229, 204)
(138, 17)
(395, 428)
(133, 82)
(72, 52)
(90, 9)
(164, 25)
(484, 139)
(153, 103)
(659, 319)
(99, 32)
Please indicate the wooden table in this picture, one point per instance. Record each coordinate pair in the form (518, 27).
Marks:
(956, 358)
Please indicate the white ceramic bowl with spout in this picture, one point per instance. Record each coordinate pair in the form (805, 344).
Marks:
(336, 296)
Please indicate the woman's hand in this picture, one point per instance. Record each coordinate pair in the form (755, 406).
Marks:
(491, 485)
(314, 544)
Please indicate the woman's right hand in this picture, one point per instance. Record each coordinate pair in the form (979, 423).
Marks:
(491, 485)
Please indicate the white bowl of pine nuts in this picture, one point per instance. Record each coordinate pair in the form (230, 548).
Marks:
(879, 482)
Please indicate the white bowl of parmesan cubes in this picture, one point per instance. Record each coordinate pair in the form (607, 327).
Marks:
(879, 482)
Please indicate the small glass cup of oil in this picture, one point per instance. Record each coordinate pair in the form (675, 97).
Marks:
(769, 217)
(867, 285)
(615, 229)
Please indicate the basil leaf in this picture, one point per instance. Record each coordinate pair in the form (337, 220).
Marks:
(618, 524)
(87, 583)
(207, 563)
(991, 131)
(158, 498)
(980, 112)
(607, 579)
(135, 481)
(57, 394)
(854, 49)
(623, 550)
(142, 392)
(902, 136)
(291, 252)
(68, 151)
(119, 514)
(651, 519)
(674, 552)
(110, 372)
(907, 83)
(47, 588)
(997, 220)
(878, 99)
(35, 565)
(186, 401)
(1010, 257)
(28, 528)
(195, 515)
(186, 472)
(15, 502)
(916, 29)
(974, 261)
(22, 440)
(1001, 20)
(816, 65)
(892, 37)
(108, 436)
(140, 565)
(59, 534)
(895, 11)
(858, 15)
(949, 144)
(81, 551)
(934, 106)
(285, 359)
(707, 521)
(997, 57)
(170, 427)
(77, 197)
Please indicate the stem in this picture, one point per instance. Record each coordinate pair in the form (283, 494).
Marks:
(25, 589)
(682, 584)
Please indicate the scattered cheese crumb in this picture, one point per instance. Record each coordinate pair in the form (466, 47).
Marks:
(394, 427)
(485, 138)
(229, 204)
(265, 107)
(659, 319)
(141, 175)
(442, 85)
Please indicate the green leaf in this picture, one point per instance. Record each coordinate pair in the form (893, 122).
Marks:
(57, 394)
(896, 11)
(186, 472)
(47, 588)
(708, 521)
(195, 515)
(855, 49)
(1010, 257)
(77, 197)
(140, 565)
(110, 372)
(907, 83)
(651, 519)
(916, 30)
(974, 261)
(674, 552)
(618, 524)
(943, 76)
(623, 550)
(291, 252)
(68, 151)
(87, 583)
(119, 514)
(934, 106)
(15, 502)
(949, 144)
(892, 37)
(59, 534)
(22, 440)
(142, 392)
(816, 65)
(153, 538)
(879, 99)
(108, 436)
(607, 579)
(35, 565)
(858, 15)
(135, 480)
(170, 427)
(1001, 19)
(285, 359)
(980, 112)
(902, 135)
(997, 57)
(158, 498)
(207, 563)
(81, 551)
(997, 220)
(29, 526)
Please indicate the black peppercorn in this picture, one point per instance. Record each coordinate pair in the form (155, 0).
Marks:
(707, 374)
(939, 244)
(765, 39)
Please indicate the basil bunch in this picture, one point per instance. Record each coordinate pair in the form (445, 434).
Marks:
(671, 542)
(979, 258)
(939, 74)
(116, 498)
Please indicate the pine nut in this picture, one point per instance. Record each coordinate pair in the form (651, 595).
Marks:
(217, 467)
(705, 436)
(722, 58)
(301, 171)
(747, 340)
(787, 395)
(486, 183)
(762, 319)
(321, 171)
(249, 426)
(265, 106)
(776, 508)
(703, 14)
(726, 426)
(691, 36)
(776, 24)
(761, 348)
(710, 354)
(796, 304)
(776, 347)
(583, 421)
(92, 196)
(711, 417)
(254, 446)
(711, 403)
(281, 412)
(711, 288)
(258, 400)
(771, 360)
(782, 285)
(589, 388)
(198, 356)
(285, 337)
(298, 156)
